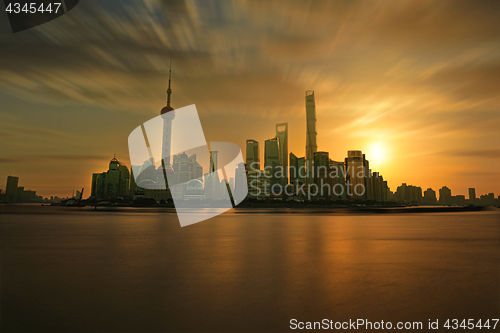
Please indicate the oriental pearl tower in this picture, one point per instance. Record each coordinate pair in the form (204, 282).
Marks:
(168, 114)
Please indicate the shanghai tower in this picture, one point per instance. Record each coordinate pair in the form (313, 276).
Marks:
(311, 146)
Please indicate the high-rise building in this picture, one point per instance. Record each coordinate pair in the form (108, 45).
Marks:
(272, 161)
(271, 153)
(377, 187)
(16, 193)
(293, 167)
(11, 188)
(186, 179)
(337, 172)
(238, 187)
(408, 194)
(186, 168)
(213, 186)
(491, 198)
(146, 178)
(113, 183)
(385, 191)
(311, 146)
(355, 175)
(213, 161)
(459, 200)
(97, 189)
(321, 173)
(321, 166)
(252, 155)
(258, 182)
(430, 197)
(133, 184)
(367, 181)
(297, 176)
(282, 135)
(297, 168)
(472, 195)
(445, 196)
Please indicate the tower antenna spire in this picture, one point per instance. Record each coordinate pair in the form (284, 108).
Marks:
(169, 91)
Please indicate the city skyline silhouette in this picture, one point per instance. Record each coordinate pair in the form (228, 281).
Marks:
(291, 175)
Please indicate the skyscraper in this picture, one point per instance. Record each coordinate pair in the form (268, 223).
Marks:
(186, 168)
(252, 155)
(376, 187)
(11, 188)
(311, 146)
(282, 135)
(445, 196)
(214, 189)
(271, 152)
(338, 181)
(430, 196)
(321, 167)
(472, 195)
(113, 183)
(293, 167)
(321, 174)
(367, 181)
(355, 175)
(12, 183)
(239, 181)
(213, 160)
(297, 172)
(408, 194)
(272, 160)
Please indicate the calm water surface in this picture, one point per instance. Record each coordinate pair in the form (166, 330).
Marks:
(73, 270)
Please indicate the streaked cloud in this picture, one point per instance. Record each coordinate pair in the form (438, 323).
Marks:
(420, 76)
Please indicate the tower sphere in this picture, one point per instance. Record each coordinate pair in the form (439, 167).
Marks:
(167, 109)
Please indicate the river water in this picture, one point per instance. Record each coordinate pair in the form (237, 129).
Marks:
(75, 269)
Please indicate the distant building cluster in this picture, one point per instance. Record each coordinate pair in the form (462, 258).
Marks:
(118, 183)
(17, 194)
(412, 195)
(181, 172)
(315, 176)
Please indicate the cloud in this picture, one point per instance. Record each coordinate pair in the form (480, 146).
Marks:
(479, 154)
(9, 160)
(47, 158)
(423, 74)
(480, 82)
(70, 157)
(126, 50)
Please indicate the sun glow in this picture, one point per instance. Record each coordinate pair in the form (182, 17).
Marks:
(377, 154)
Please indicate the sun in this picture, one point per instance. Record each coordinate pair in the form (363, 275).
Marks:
(377, 154)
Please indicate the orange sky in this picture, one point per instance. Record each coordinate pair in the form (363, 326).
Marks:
(413, 84)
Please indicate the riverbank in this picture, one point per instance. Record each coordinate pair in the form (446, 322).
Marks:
(269, 209)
